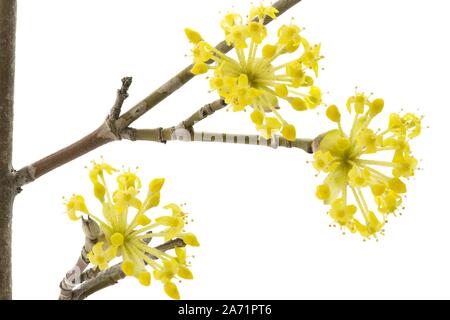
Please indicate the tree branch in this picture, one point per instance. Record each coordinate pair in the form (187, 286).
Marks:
(104, 134)
(185, 132)
(95, 139)
(107, 132)
(111, 275)
(8, 191)
(181, 134)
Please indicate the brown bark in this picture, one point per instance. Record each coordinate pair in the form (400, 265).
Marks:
(7, 185)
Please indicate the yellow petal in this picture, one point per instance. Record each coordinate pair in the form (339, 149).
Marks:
(143, 220)
(171, 290)
(97, 249)
(73, 215)
(376, 106)
(273, 123)
(397, 185)
(185, 273)
(144, 278)
(156, 184)
(298, 104)
(181, 253)
(333, 113)
(176, 210)
(99, 192)
(323, 192)
(191, 239)
(281, 90)
(199, 68)
(154, 200)
(128, 268)
(111, 253)
(169, 221)
(257, 117)
(193, 36)
(289, 132)
(269, 51)
(378, 189)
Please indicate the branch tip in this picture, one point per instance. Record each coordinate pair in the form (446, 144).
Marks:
(122, 95)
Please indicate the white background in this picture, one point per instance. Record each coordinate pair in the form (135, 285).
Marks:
(263, 233)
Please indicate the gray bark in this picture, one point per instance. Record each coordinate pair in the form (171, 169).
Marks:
(7, 185)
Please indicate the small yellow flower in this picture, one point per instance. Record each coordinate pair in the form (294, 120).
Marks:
(342, 213)
(100, 257)
(323, 160)
(261, 12)
(193, 36)
(76, 203)
(343, 157)
(126, 234)
(252, 79)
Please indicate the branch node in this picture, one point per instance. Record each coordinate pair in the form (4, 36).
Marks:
(161, 136)
(128, 134)
(114, 114)
(182, 132)
(289, 144)
(275, 142)
(90, 228)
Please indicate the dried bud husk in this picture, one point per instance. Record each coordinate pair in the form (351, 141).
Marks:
(316, 142)
(91, 229)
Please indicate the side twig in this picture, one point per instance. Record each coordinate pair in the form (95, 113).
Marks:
(181, 134)
(122, 94)
(202, 113)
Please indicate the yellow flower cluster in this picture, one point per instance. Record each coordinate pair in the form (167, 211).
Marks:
(252, 79)
(127, 235)
(343, 157)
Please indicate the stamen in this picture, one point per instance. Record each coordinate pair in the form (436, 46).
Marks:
(360, 205)
(144, 229)
(379, 163)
